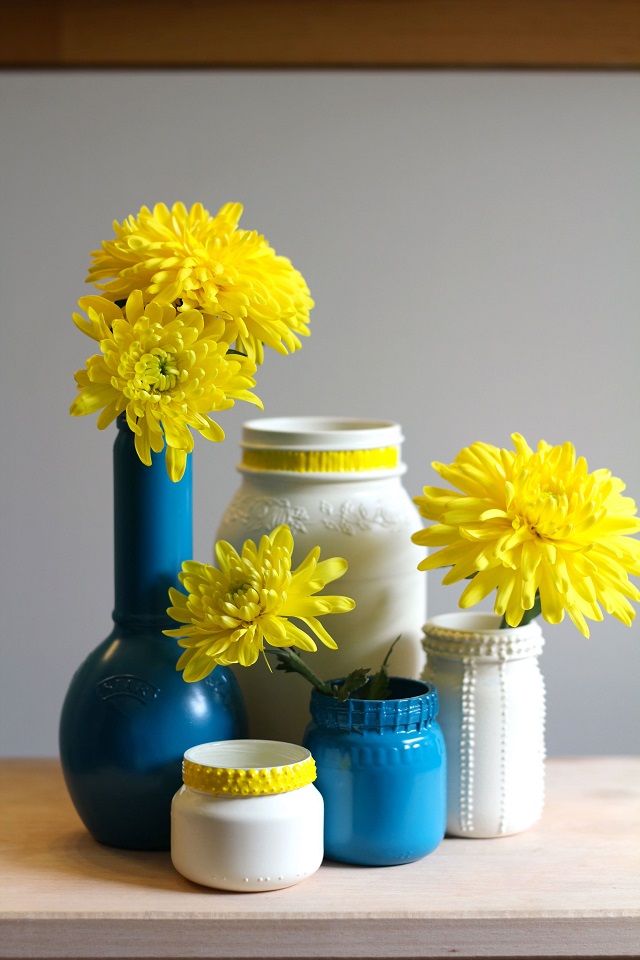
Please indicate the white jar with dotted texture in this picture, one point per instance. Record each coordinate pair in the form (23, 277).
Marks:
(248, 817)
(492, 712)
(337, 483)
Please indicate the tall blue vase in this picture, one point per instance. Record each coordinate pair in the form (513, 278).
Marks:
(128, 716)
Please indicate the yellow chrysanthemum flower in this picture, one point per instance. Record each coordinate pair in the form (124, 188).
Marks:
(231, 612)
(530, 523)
(198, 261)
(165, 369)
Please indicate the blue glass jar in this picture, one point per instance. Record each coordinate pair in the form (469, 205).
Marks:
(128, 715)
(382, 774)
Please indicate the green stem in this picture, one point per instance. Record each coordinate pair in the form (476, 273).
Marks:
(295, 664)
(385, 662)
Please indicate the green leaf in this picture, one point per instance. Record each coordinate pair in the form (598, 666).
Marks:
(290, 662)
(355, 680)
(285, 664)
(378, 685)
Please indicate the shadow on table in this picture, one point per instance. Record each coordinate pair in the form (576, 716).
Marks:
(77, 853)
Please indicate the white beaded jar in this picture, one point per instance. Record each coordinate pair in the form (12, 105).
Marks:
(337, 483)
(248, 816)
(492, 713)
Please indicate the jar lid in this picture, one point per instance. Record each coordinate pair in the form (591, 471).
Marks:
(321, 445)
(247, 768)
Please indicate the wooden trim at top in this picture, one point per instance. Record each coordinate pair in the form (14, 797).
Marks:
(588, 34)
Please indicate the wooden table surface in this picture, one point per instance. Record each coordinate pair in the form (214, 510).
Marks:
(568, 887)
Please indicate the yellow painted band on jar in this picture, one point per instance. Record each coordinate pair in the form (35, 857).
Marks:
(234, 782)
(322, 461)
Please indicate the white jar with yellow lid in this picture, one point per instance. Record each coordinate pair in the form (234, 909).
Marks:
(248, 816)
(337, 483)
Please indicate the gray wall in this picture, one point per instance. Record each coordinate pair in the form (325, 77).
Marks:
(471, 240)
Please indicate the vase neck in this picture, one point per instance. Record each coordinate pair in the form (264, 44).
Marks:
(152, 533)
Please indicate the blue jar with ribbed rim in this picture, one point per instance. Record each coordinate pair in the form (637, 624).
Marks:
(381, 772)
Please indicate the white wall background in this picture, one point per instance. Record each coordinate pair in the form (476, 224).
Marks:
(472, 243)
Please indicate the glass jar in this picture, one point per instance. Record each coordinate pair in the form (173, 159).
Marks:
(382, 773)
(248, 816)
(492, 713)
(337, 483)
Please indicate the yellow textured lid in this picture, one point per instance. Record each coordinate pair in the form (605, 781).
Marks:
(247, 768)
(322, 461)
(321, 445)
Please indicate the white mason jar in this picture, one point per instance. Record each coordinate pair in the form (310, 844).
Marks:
(337, 483)
(248, 816)
(492, 713)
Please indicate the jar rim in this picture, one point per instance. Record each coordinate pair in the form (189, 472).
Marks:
(484, 622)
(414, 710)
(322, 448)
(320, 433)
(479, 635)
(247, 767)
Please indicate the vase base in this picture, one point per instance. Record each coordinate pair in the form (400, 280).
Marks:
(490, 834)
(373, 860)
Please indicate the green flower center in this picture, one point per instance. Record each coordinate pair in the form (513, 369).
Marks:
(242, 600)
(238, 591)
(157, 371)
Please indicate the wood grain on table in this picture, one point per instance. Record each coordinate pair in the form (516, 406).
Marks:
(569, 886)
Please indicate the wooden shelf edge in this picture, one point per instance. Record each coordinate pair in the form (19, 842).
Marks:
(295, 34)
(164, 939)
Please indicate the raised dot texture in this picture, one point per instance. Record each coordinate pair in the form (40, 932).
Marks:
(233, 782)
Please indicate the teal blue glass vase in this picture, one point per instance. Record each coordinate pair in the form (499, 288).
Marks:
(381, 772)
(129, 716)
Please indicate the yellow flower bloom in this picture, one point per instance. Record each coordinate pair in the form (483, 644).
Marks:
(165, 369)
(198, 261)
(233, 610)
(526, 522)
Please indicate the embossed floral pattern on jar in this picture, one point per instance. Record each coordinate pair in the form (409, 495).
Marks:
(337, 483)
